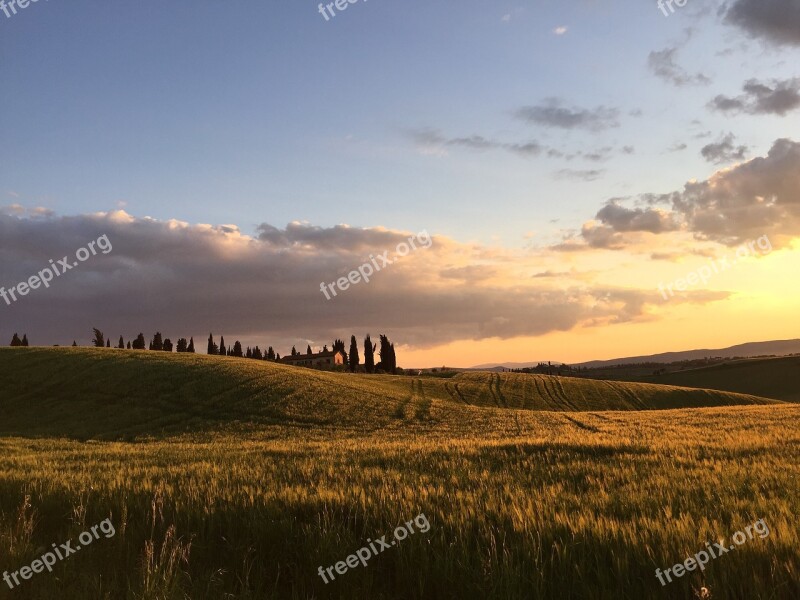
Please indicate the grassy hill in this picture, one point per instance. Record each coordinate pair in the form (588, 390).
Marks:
(777, 378)
(118, 394)
(280, 470)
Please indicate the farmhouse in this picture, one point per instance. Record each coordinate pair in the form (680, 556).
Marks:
(321, 360)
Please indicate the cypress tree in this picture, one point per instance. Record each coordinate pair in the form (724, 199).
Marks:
(191, 345)
(369, 355)
(353, 360)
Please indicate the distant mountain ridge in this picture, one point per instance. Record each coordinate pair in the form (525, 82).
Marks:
(776, 348)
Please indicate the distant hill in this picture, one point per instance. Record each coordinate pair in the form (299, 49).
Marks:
(751, 349)
(777, 378)
(122, 394)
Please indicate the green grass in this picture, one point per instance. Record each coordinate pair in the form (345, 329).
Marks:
(227, 479)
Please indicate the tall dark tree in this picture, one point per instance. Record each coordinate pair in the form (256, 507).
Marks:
(121, 344)
(181, 345)
(25, 340)
(325, 348)
(394, 359)
(257, 353)
(157, 343)
(294, 351)
(271, 353)
(191, 345)
(354, 358)
(139, 343)
(237, 349)
(99, 339)
(278, 357)
(249, 353)
(222, 350)
(129, 344)
(75, 344)
(167, 345)
(15, 341)
(385, 352)
(108, 343)
(212, 347)
(369, 355)
(308, 350)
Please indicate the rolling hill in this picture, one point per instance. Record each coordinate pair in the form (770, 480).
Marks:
(777, 378)
(117, 394)
(750, 349)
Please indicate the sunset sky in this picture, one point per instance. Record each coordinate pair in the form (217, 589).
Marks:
(567, 158)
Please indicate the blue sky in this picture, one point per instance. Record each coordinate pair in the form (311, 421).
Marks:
(504, 125)
(249, 112)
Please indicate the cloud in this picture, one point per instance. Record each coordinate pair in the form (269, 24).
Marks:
(774, 21)
(724, 151)
(431, 141)
(662, 64)
(777, 98)
(737, 204)
(620, 218)
(189, 280)
(580, 174)
(552, 113)
(560, 30)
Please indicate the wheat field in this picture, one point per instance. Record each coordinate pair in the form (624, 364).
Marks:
(219, 492)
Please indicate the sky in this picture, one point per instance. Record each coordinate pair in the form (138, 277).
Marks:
(561, 160)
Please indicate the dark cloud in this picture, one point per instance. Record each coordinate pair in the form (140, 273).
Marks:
(724, 151)
(774, 21)
(778, 98)
(623, 219)
(755, 198)
(553, 113)
(663, 65)
(189, 280)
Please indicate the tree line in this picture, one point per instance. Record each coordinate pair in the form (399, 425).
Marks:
(387, 358)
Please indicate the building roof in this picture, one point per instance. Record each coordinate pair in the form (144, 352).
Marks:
(297, 357)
